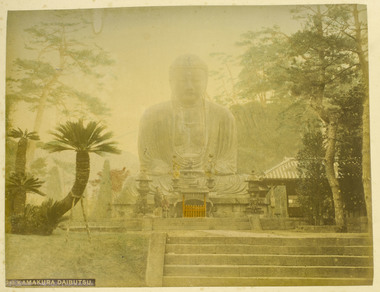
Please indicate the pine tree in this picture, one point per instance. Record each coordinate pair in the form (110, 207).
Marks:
(59, 50)
(349, 146)
(315, 196)
(316, 65)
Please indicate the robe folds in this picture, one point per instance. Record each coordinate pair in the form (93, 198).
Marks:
(168, 130)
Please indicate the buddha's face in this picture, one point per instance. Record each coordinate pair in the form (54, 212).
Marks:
(188, 84)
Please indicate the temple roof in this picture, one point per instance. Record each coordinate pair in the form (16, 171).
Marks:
(286, 170)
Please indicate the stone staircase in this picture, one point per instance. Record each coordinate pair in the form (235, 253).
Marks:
(268, 260)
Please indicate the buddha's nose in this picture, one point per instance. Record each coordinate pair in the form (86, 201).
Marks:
(189, 84)
(189, 87)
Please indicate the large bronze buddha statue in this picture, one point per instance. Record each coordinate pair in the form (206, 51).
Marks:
(188, 127)
(189, 130)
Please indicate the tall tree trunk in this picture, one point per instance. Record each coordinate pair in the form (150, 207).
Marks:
(21, 156)
(340, 220)
(331, 122)
(82, 174)
(366, 159)
(19, 200)
(366, 162)
(45, 94)
(39, 115)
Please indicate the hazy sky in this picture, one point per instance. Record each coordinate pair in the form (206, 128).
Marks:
(144, 42)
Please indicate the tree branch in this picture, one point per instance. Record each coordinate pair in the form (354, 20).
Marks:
(341, 72)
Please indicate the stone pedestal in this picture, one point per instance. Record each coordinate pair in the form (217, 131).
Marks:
(254, 220)
(229, 206)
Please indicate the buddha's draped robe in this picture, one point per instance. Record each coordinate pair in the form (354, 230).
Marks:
(167, 129)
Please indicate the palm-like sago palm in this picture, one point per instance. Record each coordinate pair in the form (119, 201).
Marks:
(18, 184)
(24, 183)
(34, 219)
(17, 196)
(22, 146)
(83, 139)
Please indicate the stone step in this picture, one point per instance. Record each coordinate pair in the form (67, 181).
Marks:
(102, 229)
(201, 224)
(267, 271)
(231, 226)
(185, 221)
(273, 241)
(265, 249)
(105, 226)
(266, 259)
(174, 281)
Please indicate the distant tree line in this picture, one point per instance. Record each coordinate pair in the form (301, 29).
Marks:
(306, 94)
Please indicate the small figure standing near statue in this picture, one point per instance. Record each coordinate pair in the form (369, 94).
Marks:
(161, 204)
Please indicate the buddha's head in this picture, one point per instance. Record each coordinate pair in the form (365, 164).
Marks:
(188, 79)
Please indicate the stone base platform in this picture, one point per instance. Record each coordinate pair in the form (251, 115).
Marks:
(151, 223)
(207, 223)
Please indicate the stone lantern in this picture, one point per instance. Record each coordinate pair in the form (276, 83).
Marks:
(143, 188)
(257, 191)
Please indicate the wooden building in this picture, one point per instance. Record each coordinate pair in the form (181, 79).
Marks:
(282, 180)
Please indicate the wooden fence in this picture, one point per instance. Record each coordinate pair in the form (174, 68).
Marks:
(194, 210)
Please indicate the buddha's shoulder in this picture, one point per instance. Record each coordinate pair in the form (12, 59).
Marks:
(220, 110)
(159, 108)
